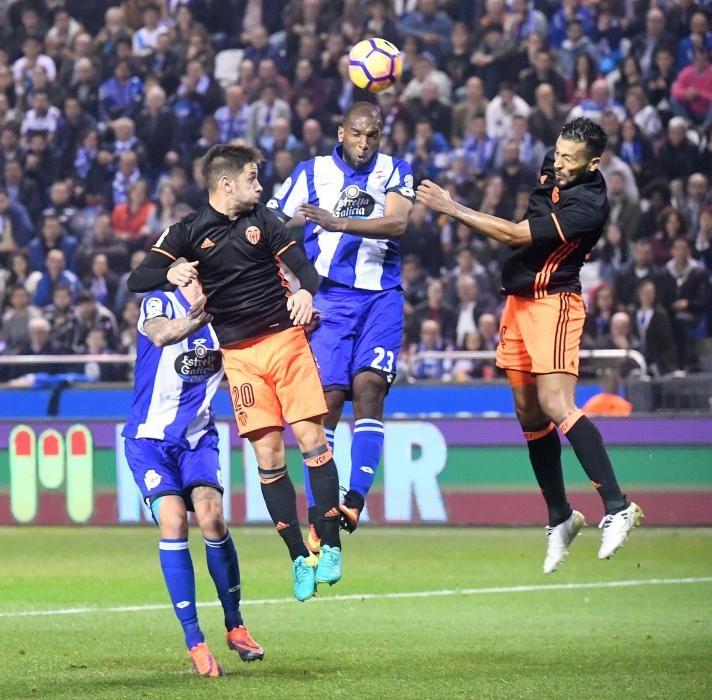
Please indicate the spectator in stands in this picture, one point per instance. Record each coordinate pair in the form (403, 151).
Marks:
(700, 37)
(120, 95)
(413, 282)
(38, 345)
(464, 370)
(15, 225)
(690, 295)
(620, 337)
(570, 11)
(659, 80)
(692, 91)
(101, 281)
(496, 200)
(43, 117)
(598, 318)
(473, 104)
(495, 59)
(91, 314)
(543, 71)
(599, 102)
(516, 173)
(579, 84)
(613, 254)
(502, 109)
(488, 330)
(234, 116)
(52, 237)
(61, 318)
(677, 157)
(73, 122)
(114, 31)
(548, 116)
(703, 239)
(429, 106)
(15, 274)
(32, 56)
(428, 152)
(624, 212)
(130, 218)
(21, 190)
(55, 273)
(457, 61)
(96, 344)
(473, 302)
(697, 196)
(644, 47)
(611, 163)
(145, 40)
(636, 151)
(40, 163)
(478, 147)
(575, 44)
(436, 309)
(705, 156)
(673, 224)
(422, 240)
(84, 86)
(126, 176)
(628, 75)
(639, 269)
(431, 339)
(425, 71)
(430, 25)
(314, 142)
(265, 110)
(16, 320)
(653, 331)
(157, 131)
(645, 116)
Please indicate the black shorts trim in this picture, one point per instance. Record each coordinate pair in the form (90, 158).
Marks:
(383, 375)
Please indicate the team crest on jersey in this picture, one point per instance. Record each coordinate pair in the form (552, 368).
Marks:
(154, 308)
(151, 478)
(353, 201)
(253, 234)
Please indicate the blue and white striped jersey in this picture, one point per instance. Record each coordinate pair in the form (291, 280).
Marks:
(174, 385)
(330, 183)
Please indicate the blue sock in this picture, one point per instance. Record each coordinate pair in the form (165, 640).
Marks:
(178, 573)
(366, 449)
(307, 482)
(225, 572)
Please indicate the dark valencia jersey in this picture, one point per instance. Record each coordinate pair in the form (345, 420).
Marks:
(246, 292)
(565, 225)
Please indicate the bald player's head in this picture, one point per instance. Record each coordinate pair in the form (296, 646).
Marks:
(360, 134)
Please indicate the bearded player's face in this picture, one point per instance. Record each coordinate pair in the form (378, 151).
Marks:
(360, 136)
(572, 162)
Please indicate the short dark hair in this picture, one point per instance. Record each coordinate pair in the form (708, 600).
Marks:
(361, 109)
(226, 159)
(585, 130)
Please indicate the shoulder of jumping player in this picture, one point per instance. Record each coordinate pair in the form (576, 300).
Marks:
(590, 196)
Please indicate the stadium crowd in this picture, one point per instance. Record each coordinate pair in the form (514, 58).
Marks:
(107, 107)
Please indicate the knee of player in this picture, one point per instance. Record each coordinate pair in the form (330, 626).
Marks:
(553, 403)
(173, 521)
(369, 392)
(212, 524)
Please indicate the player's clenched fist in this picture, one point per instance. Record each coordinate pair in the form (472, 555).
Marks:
(300, 307)
(182, 274)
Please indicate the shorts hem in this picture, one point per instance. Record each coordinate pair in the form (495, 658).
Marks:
(336, 387)
(155, 496)
(555, 371)
(188, 490)
(383, 375)
(276, 426)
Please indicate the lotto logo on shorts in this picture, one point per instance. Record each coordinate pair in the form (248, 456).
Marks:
(253, 234)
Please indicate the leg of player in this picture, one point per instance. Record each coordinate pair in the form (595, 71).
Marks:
(281, 500)
(556, 397)
(369, 390)
(324, 479)
(224, 569)
(178, 573)
(545, 456)
(335, 400)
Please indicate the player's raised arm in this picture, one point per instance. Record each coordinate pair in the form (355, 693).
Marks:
(159, 268)
(507, 232)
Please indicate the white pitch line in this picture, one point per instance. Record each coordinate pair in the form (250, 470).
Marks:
(382, 596)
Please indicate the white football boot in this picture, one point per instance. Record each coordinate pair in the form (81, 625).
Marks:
(616, 529)
(559, 540)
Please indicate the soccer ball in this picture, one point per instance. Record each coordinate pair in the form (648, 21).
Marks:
(375, 64)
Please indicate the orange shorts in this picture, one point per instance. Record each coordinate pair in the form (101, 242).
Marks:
(541, 336)
(272, 380)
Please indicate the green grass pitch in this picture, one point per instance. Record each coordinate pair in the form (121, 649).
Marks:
(583, 641)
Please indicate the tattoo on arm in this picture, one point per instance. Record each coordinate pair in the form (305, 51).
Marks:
(164, 331)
